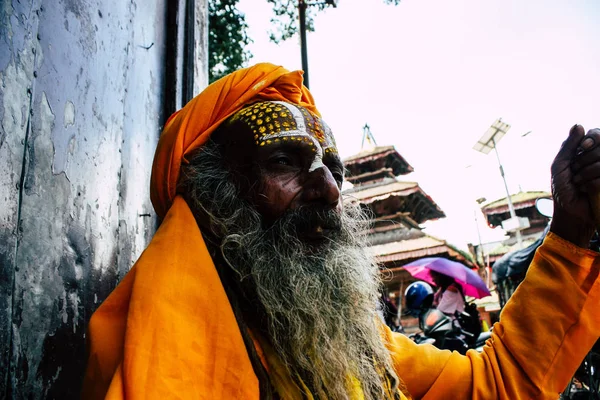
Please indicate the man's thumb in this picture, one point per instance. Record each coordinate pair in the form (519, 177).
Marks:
(569, 147)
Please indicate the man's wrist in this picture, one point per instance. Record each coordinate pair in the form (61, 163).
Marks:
(568, 228)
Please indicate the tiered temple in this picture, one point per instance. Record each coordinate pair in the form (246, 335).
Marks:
(398, 208)
(497, 211)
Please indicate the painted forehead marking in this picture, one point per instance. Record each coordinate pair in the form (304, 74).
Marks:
(278, 121)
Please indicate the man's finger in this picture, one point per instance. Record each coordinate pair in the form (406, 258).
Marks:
(586, 158)
(592, 188)
(589, 141)
(569, 147)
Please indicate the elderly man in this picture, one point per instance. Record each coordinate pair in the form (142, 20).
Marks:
(257, 283)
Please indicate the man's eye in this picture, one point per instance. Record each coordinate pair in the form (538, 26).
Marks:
(281, 160)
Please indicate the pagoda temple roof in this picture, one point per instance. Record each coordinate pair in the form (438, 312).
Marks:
(380, 192)
(374, 159)
(392, 196)
(520, 200)
(413, 248)
(524, 203)
(401, 252)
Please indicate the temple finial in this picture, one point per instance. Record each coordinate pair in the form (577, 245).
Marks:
(368, 138)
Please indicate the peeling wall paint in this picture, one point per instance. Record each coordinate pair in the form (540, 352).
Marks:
(82, 99)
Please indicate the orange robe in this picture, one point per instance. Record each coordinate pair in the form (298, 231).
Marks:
(168, 331)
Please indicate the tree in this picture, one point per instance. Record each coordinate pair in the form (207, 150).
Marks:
(285, 22)
(227, 31)
(227, 38)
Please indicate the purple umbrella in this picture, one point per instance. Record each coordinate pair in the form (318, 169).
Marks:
(471, 283)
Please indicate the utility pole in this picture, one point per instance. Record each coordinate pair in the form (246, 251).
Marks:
(511, 208)
(302, 5)
(303, 50)
(480, 249)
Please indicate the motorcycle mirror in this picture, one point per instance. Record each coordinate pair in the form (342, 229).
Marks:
(545, 207)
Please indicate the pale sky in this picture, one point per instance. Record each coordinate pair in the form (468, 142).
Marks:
(430, 77)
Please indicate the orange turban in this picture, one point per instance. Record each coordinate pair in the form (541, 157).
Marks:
(190, 127)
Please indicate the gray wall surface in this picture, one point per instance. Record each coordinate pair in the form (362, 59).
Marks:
(85, 86)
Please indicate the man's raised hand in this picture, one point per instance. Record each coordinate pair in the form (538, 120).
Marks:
(576, 186)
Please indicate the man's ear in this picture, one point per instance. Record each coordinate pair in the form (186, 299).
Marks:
(238, 151)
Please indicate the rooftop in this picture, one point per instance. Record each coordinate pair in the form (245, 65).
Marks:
(380, 192)
(391, 196)
(413, 248)
(426, 246)
(519, 200)
(375, 159)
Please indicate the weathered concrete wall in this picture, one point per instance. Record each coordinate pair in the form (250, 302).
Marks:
(82, 101)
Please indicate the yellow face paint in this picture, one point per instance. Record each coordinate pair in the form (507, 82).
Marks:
(275, 121)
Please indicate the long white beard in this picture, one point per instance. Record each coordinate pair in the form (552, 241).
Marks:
(317, 302)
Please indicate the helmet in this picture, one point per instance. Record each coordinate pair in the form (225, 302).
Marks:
(418, 297)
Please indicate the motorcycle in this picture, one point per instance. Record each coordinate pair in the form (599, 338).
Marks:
(445, 332)
(438, 328)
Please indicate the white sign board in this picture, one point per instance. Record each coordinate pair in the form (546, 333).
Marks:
(515, 224)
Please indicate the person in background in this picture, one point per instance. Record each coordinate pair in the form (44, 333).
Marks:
(448, 297)
(390, 313)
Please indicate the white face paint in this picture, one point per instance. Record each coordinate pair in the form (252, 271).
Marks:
(302, 132)
(266, 129)
(318, 160)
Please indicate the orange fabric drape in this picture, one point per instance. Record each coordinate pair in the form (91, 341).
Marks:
(191, 126)
(168, 330)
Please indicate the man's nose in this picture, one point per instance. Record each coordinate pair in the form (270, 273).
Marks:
(321, 188)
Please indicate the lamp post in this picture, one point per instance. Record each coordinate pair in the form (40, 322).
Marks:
(479, 201)
(302, 4)
(484, 145)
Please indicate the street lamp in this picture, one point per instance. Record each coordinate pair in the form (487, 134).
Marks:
(479, 201)
(302, 4)
(484, 145)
